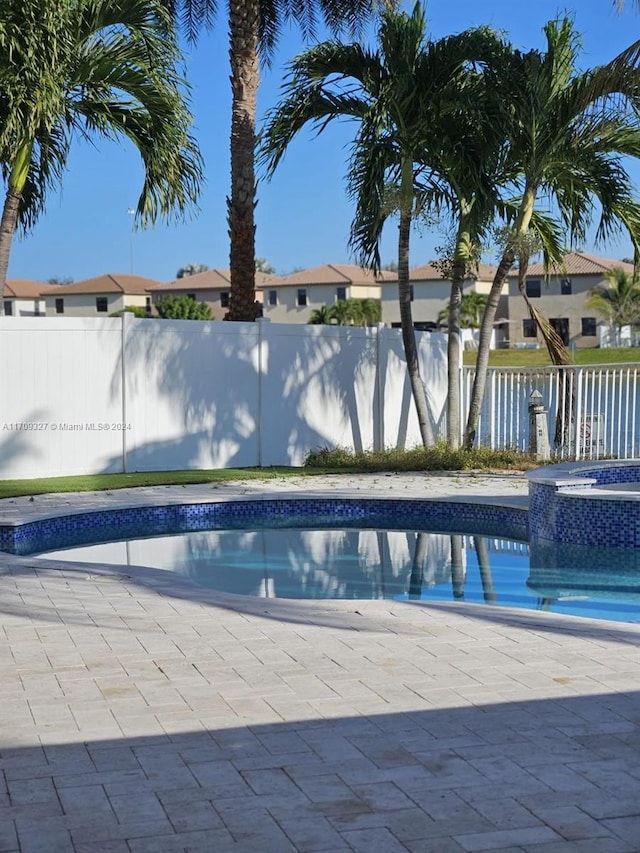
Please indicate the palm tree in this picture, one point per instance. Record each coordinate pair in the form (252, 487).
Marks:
(618, 300)
(322, 316)
(472, 306)
(90, 67)
(254, 29)
(371, 311)
(568, 132)
(397, 94)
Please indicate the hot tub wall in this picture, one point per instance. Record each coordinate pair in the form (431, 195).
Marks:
(566, 505)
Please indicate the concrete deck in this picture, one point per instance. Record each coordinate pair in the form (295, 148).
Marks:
(139, 712)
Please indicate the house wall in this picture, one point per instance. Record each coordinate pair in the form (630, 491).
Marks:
(25, 307)
(84, 304)
(288, 311)
(553, 305)
(429, 299)
(88, 395)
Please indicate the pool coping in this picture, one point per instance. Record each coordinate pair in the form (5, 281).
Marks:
(50, 530)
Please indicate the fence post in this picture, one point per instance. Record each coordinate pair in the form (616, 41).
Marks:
(126, 318)
(538, 428)
(378, 431)
(262, 330)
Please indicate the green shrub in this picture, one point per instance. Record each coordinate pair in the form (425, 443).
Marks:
(437, 458)
(171, 307)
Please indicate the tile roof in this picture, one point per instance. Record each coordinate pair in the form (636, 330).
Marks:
(107, 283)
(429, 272)
(212, 279)
(325, 274)
(23, 288)
(579, 263)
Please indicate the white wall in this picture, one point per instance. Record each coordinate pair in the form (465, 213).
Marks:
(200, 395)
(57, 374)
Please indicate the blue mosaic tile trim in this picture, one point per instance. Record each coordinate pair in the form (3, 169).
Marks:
(606, 475)
(129, 523)
(559, 517)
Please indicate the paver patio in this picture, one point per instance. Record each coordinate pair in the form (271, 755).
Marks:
(141, 713)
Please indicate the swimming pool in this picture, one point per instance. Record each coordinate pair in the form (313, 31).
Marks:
(306, 562)
(541, 574)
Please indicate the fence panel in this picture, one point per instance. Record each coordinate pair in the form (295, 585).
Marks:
(594, 412)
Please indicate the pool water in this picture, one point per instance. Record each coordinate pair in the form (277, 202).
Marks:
(387, 564)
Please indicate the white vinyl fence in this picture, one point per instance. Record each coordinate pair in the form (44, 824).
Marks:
(121, 394)
(593, 411)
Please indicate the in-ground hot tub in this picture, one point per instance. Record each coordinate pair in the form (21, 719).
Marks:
(586, 503)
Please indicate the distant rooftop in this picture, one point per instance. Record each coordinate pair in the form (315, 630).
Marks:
(580, 263)
(107, 283)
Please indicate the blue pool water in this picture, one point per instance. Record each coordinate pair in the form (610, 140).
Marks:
(347, 563)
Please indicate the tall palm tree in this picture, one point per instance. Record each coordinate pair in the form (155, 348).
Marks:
(568, 132)
(467, 163)
(254, 29)
(618, 299)
(397, 94)
(90, 67)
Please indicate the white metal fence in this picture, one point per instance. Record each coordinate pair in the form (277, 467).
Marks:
(593, 411)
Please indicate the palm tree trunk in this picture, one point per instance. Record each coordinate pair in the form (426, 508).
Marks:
(484, 348)
(454, 362)
(484, 568)
(419, 559)
(408, 332)
(15, 186)
(244, 18)
(7, 230)
(520, 230)
(457, 567)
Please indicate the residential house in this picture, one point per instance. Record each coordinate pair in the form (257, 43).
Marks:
(293, 298)
(561, 297)
(101, 296)
(212, 286)
(22, 298)
(430, 294)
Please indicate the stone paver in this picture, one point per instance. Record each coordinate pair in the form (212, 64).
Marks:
(139, 712)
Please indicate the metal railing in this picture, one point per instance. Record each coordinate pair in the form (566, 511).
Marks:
(594, 412)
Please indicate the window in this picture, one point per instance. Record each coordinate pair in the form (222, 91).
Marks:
(529, 329)
(36, 308)
(193, 296)
(101, 304)
(588, 327)
(534, 288)
(147, 305)
(565, 286)
(59, 306)
(561, 326)
(224, 299)
(8, 308)
(341, 293)
(302, 298)
(411, 292)
(273, 297)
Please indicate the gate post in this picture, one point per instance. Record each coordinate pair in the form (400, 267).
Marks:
(538, 428)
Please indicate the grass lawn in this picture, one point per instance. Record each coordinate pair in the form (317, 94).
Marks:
(339, 461)
(106, 482)
(540, 357)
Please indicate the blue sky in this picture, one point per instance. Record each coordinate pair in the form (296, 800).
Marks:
(303, 214)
